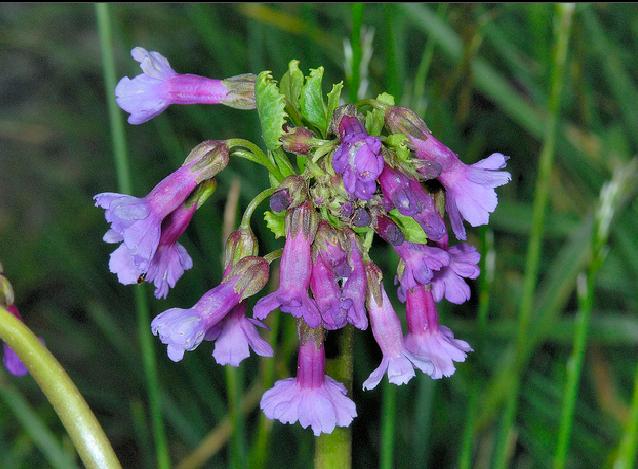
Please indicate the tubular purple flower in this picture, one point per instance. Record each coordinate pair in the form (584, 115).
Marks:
(410, 199)
(355, 287)
(184, 329)
(428, 340)
(235, 335)
(469, 189)
(397, 361)
(358, 158)
(159, 86)
(313, 399)
(10, 359)
(138, 222)
(448, 282)
(419, 263)
(332, 306)
(295, 270)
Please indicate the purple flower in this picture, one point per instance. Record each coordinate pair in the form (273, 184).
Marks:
(419, 262)
(358, 159)
(470, 193)
(410, 199)
(10, 359)
(159, 86)
(327, 244)
(355, 287)
(397, 360)
(235, 335)
(427, 339)
(448, 282)
(142, 225)
(313, 399)
(184, 329)
(295, 270)
(327, 294)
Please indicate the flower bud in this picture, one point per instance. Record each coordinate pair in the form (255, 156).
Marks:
(252, 275)
(208, 159)
(298, 140)
(280, 201)
(239, 244)
(290, 194)
(241, 91)
(361, 218)
(339, 113)
(401, 120)
(388, 230)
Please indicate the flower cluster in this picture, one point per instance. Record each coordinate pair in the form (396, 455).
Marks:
(359, 171)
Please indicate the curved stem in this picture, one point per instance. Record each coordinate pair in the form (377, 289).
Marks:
(256, 155)
(252, 206)
(271, 256)
(85, 431)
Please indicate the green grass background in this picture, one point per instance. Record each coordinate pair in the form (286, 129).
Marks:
(479, 75)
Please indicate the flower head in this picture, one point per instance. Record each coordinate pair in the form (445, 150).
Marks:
(313, 399)
(398, 362)
(184, 329)
(419, 263)
(358, 158)
(235, 335)
(428, 340)
(295, 270)
(159, 86)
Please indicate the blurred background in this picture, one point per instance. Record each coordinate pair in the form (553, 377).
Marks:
(481, 77)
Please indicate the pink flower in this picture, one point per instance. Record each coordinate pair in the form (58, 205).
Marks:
(448, 282)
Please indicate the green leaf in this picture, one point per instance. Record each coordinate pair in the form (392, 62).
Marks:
(375, 119)
(276, 222)
(386, 98)
(333, 98)
(398, 142)
(270, 106)
(409, 227)
(313, 108)
(283, 163)
(292, 83)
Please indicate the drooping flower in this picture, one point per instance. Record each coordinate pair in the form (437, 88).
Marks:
(10, 359)
(358, 158)
(410, 199)
(235, 335)
(428, 340)
(354, 288)
(295, 270)
(184, 329)
(448, 282)
(159, 86)
(398, 362)
(138, 223)
(312, 398)
(470, 193)
(333, 307)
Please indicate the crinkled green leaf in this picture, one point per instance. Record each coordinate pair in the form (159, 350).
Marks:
(386, 98)
(292, 83)
(283, 163)
(333, 98)
(398, 142)
(276, 222)
(313, 107)
(409, 227)
(270, 106)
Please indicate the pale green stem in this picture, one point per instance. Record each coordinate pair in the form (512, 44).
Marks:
(252, 206)
(388, 421)
(124, 185)
(85, 431)
(563, 28)
(271, 256)
(626, 456)
(256, 155)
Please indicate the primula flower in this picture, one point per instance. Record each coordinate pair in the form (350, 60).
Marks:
(184, 329)
(410, 199)
(142, 225)
(235, 335)
(469, 189)
(313, 399)
(327, 293)
(448, 282)
(159, 86)
(295, 270)
(358, 158)
(354, 288)
(10, 359)
(398, 361)
(428, 340)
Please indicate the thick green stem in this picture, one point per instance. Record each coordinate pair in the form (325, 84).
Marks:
(334, 450)
(124, 185)
(252, 206)
(388, 423)
(562, 31)
(85, 431)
